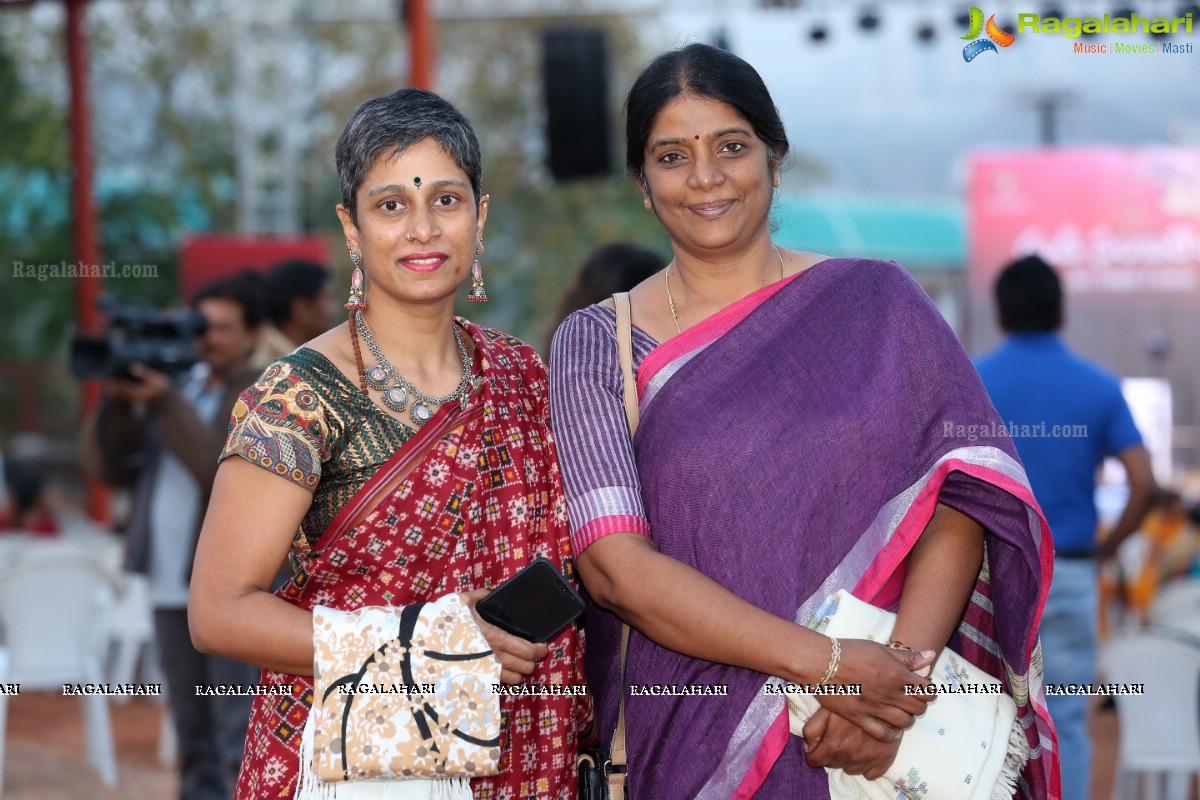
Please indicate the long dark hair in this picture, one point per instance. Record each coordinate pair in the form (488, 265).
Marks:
(704, 71)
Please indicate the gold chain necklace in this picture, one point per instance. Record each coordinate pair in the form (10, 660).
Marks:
(671, 300)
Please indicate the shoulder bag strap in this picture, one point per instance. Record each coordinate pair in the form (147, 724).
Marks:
(616, 780)
(625, 356)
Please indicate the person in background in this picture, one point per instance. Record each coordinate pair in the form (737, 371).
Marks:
(300, 307)
(616, 267)
(28, 508)
(1171, 549)
(163, 438)
(1035, 380)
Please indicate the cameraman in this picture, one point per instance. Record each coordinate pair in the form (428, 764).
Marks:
(163, 438)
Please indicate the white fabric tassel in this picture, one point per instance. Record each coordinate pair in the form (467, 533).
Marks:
(309, 786)
(453, 789)
(1014, 763)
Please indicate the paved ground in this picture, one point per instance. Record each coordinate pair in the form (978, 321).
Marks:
(44, 757)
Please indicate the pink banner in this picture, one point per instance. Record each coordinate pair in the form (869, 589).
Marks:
(1113, 221)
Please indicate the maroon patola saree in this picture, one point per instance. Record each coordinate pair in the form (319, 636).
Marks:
(467, 501)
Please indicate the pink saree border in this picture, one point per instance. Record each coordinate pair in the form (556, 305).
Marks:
(602, 526)
(878, 575)
(881, 585)
(772, 747)
(706, 331)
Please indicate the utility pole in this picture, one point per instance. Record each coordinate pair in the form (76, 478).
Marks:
(86, 222)
(1047, 105)
(422, 43)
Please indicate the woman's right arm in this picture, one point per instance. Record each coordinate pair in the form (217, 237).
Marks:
(671, 603)
(698, 617)
(252, 518)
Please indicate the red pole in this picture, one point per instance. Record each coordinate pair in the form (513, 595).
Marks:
(422, 43)
(87, 225)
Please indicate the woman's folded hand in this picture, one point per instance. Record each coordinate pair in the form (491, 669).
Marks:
(517, 656)
(885, 707)
(830, 741)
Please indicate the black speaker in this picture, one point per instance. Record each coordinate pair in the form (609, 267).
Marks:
(575, 82)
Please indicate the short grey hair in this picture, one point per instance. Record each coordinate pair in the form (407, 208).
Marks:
(387, 126)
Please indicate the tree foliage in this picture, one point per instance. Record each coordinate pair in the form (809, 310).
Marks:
(164, 81)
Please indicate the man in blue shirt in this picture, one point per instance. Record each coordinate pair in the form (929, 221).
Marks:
(1066, 416)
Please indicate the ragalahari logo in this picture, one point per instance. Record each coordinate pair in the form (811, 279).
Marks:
(995, 36)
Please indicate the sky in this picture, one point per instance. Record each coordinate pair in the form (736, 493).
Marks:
(886, 114)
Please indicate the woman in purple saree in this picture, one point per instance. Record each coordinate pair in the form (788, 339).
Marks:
(807, 425)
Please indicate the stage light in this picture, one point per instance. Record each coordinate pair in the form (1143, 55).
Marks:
(819, 32)
(869, 19)
(926, 32)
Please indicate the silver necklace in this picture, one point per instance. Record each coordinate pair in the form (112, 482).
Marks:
(383, 377)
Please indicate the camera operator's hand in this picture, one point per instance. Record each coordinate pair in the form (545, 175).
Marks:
(149, 386)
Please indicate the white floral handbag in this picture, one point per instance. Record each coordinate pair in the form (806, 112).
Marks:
(402, 695)
(968, 745)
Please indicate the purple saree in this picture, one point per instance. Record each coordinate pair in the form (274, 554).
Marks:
(795, 444)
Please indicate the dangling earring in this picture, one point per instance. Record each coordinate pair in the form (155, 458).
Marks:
(477, 294)
(357, 300)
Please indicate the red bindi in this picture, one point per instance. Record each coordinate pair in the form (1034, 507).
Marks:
(697, 137)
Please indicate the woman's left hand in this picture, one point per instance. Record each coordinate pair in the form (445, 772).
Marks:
(517, 656)
(831, 741)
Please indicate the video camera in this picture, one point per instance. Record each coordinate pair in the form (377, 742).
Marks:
(159, 340)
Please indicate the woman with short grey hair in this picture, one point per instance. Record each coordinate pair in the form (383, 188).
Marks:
(400, 458)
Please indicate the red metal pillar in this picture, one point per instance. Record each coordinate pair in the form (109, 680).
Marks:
(422, 43)
(86, 222)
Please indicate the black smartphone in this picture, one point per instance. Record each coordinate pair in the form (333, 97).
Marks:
(534, 604)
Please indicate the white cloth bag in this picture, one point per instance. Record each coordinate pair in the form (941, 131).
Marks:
(968, 745)
(462, 696)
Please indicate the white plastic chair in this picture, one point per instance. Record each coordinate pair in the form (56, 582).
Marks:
(131, 633)
(1180, 598)
(3, 710)
(1185, 629)
(1160, 730)
(134, 654)
(131, 638)
(53, 605)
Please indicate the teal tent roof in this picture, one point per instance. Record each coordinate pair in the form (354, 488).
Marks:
(923, 235)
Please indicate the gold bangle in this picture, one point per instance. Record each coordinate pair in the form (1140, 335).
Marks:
(895, 644)
(835, 659)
